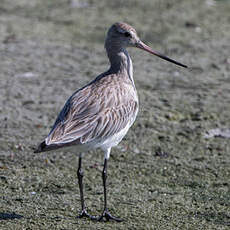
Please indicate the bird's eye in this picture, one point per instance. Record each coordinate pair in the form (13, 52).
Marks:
(127, 34)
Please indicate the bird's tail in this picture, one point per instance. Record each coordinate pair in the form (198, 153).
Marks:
(41, 148)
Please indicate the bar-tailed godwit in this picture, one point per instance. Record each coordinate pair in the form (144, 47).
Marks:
(100, 114)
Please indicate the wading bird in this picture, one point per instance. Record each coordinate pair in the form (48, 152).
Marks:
(100, 114)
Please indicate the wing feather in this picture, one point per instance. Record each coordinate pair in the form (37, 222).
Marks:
(94, 112)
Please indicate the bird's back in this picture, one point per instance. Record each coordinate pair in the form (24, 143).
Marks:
(98, 115)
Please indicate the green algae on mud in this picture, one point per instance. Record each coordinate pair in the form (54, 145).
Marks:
(164, 175)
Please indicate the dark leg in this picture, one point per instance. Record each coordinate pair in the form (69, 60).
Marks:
(80, 175)
(106, 213)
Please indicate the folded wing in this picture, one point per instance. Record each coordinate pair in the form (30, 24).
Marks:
(94, 112)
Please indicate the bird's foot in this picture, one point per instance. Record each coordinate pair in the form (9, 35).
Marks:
(84, 213)
(106, 214)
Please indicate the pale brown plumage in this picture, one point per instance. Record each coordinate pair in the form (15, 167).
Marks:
(124, 26)
(100, 114)
(102, 108)
(97, 111)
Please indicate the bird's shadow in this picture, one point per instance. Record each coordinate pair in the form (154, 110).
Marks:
(9, 216)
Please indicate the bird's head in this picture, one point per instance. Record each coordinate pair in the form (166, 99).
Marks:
(122, 35)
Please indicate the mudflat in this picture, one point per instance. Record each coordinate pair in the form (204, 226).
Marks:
(165, 174)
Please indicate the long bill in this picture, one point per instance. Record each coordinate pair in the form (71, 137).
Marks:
(142, 46)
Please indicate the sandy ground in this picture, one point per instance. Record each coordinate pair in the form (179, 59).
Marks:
(164, 174)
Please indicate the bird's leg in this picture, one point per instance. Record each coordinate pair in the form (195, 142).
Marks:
(106, 213)
(80, 175)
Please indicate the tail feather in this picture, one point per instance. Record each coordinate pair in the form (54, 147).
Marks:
(41, 148)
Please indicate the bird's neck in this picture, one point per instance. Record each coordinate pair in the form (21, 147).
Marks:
(120, 61)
